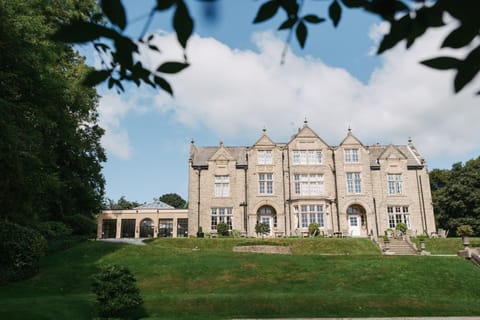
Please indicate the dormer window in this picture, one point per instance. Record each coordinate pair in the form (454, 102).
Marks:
(264, 157)
(351, 155)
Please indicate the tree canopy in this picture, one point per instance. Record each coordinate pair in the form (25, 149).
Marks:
(50, 152)
(456, 195)
(121, 204)
(174, 200)
(408, 20)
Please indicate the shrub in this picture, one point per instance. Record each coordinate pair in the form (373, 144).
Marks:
(262, 228)
(53, 230)
(464, 230)
(235, 233)
(20, 251)
(313, 229)
(116, 291)
(82, 224)
(402, 227)
(222, 228)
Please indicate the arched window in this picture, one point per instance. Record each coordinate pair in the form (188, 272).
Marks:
(146, 228)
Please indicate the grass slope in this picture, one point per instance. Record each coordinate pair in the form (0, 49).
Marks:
(214, 282)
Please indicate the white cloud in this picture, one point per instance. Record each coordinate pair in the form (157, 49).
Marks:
(236, 92)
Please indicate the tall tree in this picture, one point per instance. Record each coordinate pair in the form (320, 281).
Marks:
(456, 195)
(50, 152)
(174, 200)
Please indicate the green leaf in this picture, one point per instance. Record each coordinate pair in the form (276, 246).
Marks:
(164, 4)
(153, 47)
(95, 77)
(266, 11)
(301, 33)
(313, 18)
(468, 69)
(172, 67)
(335, 12)
(81, 32)
(115, 12)
(162, 83)
(460, 37)
(182, 23)
(354, 3)
(288, 24)
(442, 63)
(399, 30)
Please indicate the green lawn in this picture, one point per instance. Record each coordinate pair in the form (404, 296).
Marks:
(214, 282)
(446, 245)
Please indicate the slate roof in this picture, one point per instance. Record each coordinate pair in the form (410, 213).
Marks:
(202, 154)
(155, 205)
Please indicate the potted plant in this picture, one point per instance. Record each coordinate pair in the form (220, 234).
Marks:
(422, 238)
(200, 233)
(465, 231)
(402, 227)
(386, 242)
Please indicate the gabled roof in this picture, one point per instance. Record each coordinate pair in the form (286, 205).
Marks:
(306, 132)
(202, 155)
(378, 151)
(157, 204)
(350, 139)
(264, 140)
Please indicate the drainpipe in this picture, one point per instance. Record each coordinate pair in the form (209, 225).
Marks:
(336, 189)
(423, 205)
(289, 191)
(245, 208)
(420, 201)
(376, 215)
(283, 188)
(198, 202)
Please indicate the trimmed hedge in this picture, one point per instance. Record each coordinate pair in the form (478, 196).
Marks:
(20, 251)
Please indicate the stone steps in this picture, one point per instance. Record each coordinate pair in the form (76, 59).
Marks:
(398, 247)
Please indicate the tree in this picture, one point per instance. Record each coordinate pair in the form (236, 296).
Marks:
(408, 19)
(50, 152)
(456, 198)
(262, 228)
(121, 204)
(222, 228)
(174, 200)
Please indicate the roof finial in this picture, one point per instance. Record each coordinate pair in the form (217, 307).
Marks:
(305, 122)
(221, 143)
(349, 129)
(264, 129)
(192, 141)
(409, 140)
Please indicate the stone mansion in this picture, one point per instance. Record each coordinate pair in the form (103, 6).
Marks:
(350, 189)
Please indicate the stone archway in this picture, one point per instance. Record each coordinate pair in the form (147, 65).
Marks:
(267, 214)
(357, 221)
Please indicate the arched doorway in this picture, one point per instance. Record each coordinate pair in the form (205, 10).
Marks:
(267, 215)
(146, 228)
(357, 221)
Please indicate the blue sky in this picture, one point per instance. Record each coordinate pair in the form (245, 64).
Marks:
(236, 86)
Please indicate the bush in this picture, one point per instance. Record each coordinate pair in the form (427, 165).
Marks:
(20, 251)
(464, 230)
(82, 225)
(313, 229)
(116, 291)
(262, 228)
(53, 230)
(402, 227)
(222, 228)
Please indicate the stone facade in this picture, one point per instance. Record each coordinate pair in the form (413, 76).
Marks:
(350, 189)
